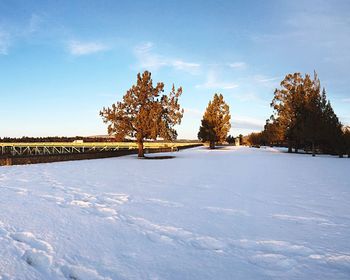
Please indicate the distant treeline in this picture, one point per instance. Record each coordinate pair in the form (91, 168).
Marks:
(61, 139)
(303, 118)
(26, 139)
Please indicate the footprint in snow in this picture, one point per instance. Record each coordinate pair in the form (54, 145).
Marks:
(227, 211)
(20, 191)
(169, 234)
(5, 277)
(51, 198)
(99, 205)
(38, 259)
(300, 219)
(272, 247)
(165, 203)
(29, 239)
(337, 261)
(102, 205)
(208, 243)
(38, 253)
(273, 261)
(3, 231)
(74, 272)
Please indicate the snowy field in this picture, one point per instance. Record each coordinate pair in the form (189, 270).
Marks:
(239, 213)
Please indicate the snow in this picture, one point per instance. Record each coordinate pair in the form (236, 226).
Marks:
(233, 213)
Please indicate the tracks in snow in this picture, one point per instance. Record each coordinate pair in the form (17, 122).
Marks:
(41, 256)
(276, 256)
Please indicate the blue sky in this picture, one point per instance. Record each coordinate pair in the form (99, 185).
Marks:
(62, 61)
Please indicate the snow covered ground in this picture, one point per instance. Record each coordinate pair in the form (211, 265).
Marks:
(238, 213)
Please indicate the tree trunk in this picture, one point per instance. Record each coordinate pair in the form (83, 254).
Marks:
(290, 148)
(212, 145)
(296, 147)
(313, 148)
(141, 153)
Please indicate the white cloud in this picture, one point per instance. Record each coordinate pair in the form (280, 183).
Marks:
(84, 48)
(144, 48)
(193, 113)
(150, 60)
(238, 65)
(213, 83)
(34, 23)
(12, 33)
(4, 42)
(266, 81)
(247, 96)
(183, 65)
(326, 30)
(346, 100)
(243, 122)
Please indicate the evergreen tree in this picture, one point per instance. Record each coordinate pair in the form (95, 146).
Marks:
(346, 137)
(240, 137)
(287, 103)
(311, 113)
(305, 115)
(272, 133)
(144, 113)
(216, 122)
(332, 133)
(255, 139)
(230, 139)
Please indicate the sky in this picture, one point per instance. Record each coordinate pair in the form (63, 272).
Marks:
(61, 62)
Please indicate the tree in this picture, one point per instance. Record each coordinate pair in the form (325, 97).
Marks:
(241, 140)
(216, 121)
(287, 103)
(144, 113)
(311, 113)
(272, 133)
(305, 116)
(346, 137)
(230, 139)
(332, 133)
(255, 139)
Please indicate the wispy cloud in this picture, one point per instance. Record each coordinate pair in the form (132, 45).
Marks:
(346, 100)
(144, 47)
(213, 82)
(183, 65)
(34, 23)
(79, 48)
(193, 113)
(11, 34)
(243, 122)
(4, 42)
(237, 65)
(149, 59)
(328, 28)
(311, 21)
(247, 96)
(266, 81)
